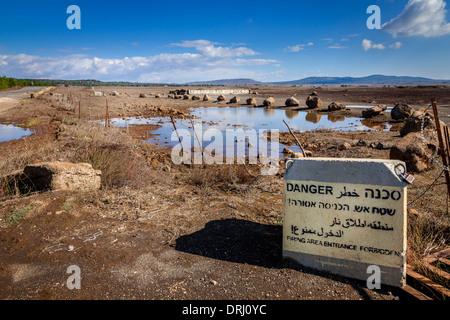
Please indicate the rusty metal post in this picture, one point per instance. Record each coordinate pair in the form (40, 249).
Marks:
(107, 115)
(441, 144)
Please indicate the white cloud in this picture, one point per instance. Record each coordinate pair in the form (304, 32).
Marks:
(337, 46)
(298, 47)
(368, 45)
(420, 18)
(396, 45)
(209, 49)
(208, 59)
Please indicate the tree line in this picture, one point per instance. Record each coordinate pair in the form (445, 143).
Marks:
(8, 82)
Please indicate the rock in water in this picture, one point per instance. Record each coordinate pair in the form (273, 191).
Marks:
(313, 101)
(374, 111)
(251, 101)
(235, 100)
(269, 102)
(334, 106)
(292, 102)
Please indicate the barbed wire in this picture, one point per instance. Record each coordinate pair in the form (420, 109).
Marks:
(428, 189)
(425, 142)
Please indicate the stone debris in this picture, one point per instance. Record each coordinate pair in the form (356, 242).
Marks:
(374, 111)
(55, 175)
(335, 106)
(63, 176)
(269, 102)
(412, 150)
(313, 101)
(235, 100)
(251, 101)
(292, 102)
(401, 112)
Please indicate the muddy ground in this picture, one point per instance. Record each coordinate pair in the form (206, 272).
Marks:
(175, 232)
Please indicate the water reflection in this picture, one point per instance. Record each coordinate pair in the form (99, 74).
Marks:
(10, 132)
(374, 125)
(248, 118)
(269, 112)
(291, 114)
(335, 117)
(313, 117)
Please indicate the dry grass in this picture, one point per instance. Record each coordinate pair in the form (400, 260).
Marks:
(224, 176)
(428, 233)
(116, 154)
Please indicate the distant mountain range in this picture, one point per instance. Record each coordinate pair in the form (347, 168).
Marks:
(373, 80)
(369, 80)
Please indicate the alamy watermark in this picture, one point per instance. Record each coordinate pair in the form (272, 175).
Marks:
(374, 21)
(74, 20)
(74, 280)
(374, 280)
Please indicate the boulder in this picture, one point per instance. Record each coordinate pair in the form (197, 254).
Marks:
(196, 98)
(291, 154)
(142, 95)
(292, 102)
(186, 97)
(235, 100)
(313, 101)
(251, 101)
(334, 106)
(61, 176)
(345, 146)
(374, 111)
(414, 152)
(207, 98)
(269, 102)
(115, 94)
(401, 112)
(414, 124)
(221, 98)
(157, 95)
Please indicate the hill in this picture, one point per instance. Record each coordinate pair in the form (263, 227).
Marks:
(369, 80)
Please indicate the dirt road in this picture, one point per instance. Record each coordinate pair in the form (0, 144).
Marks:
(10, 98)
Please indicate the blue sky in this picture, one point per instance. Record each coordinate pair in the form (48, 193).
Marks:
(178, 41)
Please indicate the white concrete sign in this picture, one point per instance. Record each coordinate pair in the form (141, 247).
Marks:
(344, 215)
(219, 91)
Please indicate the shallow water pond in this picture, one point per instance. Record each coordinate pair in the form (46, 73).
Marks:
(10, 132)
(246, 127)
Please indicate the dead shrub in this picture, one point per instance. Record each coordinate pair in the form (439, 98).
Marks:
(114, 153)
(218, 175)
(427, 234)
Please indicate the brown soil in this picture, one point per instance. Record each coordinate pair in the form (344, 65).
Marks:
(186, 232)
